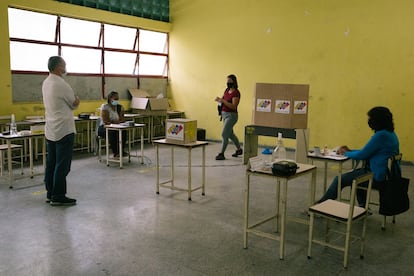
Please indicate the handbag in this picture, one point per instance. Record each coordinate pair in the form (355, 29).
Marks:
(284, 168)
(393, 192)
(219, 108)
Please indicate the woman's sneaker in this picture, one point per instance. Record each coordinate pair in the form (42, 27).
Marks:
(237, 153)
(220, 156)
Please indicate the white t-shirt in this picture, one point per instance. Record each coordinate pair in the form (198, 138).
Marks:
(58, 98)
(113, 114)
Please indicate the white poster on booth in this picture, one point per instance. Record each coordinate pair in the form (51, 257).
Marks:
(264, 105)
(282, 106)
(300, 107)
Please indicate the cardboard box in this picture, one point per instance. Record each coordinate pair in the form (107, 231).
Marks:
(281, 105)
(143, 101)
(181, 131)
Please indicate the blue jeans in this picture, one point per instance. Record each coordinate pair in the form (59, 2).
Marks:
(346, 180)
(58, 162)
(229, 120)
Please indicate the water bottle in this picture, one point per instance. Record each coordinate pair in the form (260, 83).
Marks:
(279, 153)
(13, 126)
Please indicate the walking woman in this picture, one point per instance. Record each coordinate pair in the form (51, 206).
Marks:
(229, 103)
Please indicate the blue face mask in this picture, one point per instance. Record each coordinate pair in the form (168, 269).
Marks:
(115, 102)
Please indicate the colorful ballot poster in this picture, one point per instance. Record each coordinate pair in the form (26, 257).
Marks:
(264, 105)
(300, 107)
(282, 106)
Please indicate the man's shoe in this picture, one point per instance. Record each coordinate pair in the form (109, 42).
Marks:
(220, 156)
(237, 153)
(63, 201)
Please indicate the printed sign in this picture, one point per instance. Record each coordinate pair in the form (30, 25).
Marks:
(282, 106)
(175, 131)
(264, 105)
(300, 107)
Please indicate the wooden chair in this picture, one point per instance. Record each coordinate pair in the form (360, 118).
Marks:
(99, 139)
(3, 150)
(345, 213)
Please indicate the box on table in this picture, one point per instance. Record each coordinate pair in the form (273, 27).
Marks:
(143, 101)
(181, 131)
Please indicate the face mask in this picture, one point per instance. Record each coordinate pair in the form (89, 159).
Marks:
(115, 102)
(230, 85)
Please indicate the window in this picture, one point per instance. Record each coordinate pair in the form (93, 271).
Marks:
(79, 32)
(33, 60)
(126, 51)
(119, 37)
(152, 65)
(79, 60)
(32, 25)
(150, 41)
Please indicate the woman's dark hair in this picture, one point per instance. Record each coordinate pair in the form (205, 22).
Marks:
(110, 95)
(234, 79)
(380, 118)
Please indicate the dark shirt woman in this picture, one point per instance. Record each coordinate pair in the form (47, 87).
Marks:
(229, 103)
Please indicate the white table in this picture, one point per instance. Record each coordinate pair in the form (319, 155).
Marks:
(120, 128)
(170, 182)
(303, 169)
(334, 158)
(9, 139)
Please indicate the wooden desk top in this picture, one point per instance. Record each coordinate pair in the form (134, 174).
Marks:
(189, 145)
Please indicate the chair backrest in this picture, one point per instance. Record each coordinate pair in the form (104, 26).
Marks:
(98, 123)
(394, 169)
(356, 184)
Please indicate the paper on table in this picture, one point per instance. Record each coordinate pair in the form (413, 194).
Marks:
(256, 163)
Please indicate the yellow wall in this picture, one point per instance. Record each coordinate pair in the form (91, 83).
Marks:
(54, 7)
(354, 54)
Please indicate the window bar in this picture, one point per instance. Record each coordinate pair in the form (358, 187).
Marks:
(102, 43)
(57, 36)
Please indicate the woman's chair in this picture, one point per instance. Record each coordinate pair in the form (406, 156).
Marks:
(395, 158)
(345, 213)
(99, 138)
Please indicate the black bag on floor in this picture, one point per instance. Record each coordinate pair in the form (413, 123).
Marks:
(394, 198)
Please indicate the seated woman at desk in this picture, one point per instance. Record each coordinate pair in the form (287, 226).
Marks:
(113, 113)
(381, 146)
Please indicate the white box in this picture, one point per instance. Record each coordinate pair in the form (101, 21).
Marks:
(181, 131)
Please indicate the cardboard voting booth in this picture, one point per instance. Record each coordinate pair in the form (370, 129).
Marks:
(143, 101)
(181, 131)
(281, 105)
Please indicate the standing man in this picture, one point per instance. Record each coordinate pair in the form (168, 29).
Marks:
(60, 101)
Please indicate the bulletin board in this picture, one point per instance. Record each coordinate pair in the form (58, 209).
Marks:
(281, 105)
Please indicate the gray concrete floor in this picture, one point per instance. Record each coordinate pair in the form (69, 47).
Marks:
(121, 227)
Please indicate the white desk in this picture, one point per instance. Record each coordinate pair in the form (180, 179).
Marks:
(30, 137)
(120, 128)
(335, 158)
(189, 147)
(303, 169)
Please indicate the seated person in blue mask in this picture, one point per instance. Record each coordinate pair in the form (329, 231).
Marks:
(381, 146)
(113, 113)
